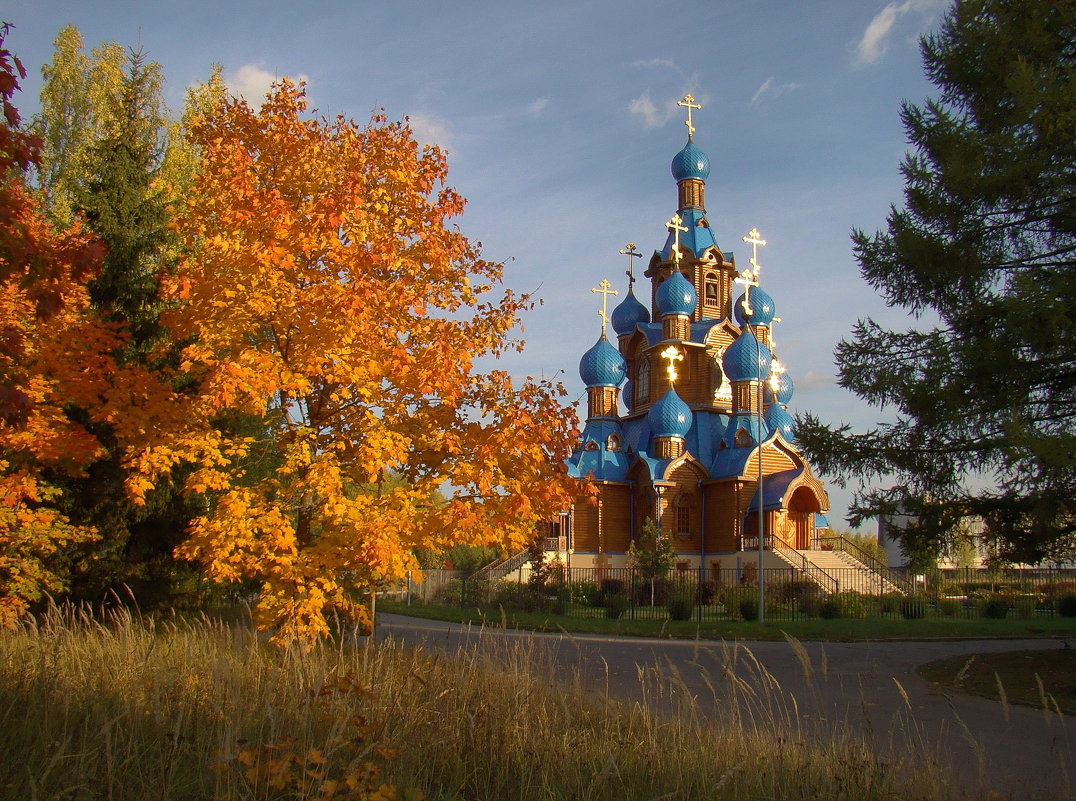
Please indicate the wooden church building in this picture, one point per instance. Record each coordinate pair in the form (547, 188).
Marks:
(685, 399)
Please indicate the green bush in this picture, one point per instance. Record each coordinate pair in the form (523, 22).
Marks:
(615, 605)
(890, 603)
(584, 593)
(913, 607)
(830, 608)
(681, 606)
(748, 608)
(949, 607)
(1066, 605)
(706, 593)
(854, 604)
(609, 586)
(994, 608)
(1026, 607)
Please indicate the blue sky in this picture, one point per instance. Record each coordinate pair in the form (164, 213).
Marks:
(560, 122)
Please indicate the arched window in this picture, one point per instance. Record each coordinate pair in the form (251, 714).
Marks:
(743, 438)
(612, 443)
(642, 381)
(712, 290)
(591, 445)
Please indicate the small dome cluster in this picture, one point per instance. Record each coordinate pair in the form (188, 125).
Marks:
(746, 359)
(670, 416)
(763, 309)
(676, 296)
(629, 313)
(784, 391)
(690, 163)
(602, 365)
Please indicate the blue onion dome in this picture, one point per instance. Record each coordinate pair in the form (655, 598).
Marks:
(763, 309)
(746, 359)
(777, 419)
(670, 416)
(784, 391)
(690, 163)
(602, 365)
(676, 296)
(629, 313)
(627, 395)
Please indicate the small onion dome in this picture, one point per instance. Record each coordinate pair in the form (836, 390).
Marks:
(690, 163)
(777, 419)
(763, 309)
(676, 296)
(628, 313)
(746, 359)
(670, 416)
(626, 394)
(784, 390)
(602, 365)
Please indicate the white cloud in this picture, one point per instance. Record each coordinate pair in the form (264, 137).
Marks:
(536, 108)
(813, 379)
(875, 40)
(252, 82)
(430, 130)
(653, 116)
(768, 88)
(658, 62)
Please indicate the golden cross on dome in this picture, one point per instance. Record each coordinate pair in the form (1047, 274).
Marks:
(689, 103)
(775, 375)
(753, 240)
(675, 226)
(672, 356)
(748, 279)
(630, 251)
(606, 289)
(773, 343)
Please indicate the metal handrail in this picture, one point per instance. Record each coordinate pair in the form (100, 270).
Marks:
(820, 576)
(871, 562)
(503, 567)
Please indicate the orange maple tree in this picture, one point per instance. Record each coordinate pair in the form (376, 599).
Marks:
(336, 318)
(51, 354)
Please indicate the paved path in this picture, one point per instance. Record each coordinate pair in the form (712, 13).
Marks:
(867, 688)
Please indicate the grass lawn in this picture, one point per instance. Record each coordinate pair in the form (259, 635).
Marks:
(1034, 678)
(841, 629)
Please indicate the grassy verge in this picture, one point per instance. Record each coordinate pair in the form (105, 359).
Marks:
(129, 710)
(841, 629)
(1044, 679)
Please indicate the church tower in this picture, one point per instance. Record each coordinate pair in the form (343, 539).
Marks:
(704, 403)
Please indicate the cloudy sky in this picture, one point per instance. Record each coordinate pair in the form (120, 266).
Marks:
(560, 121)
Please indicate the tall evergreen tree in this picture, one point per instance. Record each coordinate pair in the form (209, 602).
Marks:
(112, 173)
(983, 254)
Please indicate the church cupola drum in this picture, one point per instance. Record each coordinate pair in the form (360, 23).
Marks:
(688, 408)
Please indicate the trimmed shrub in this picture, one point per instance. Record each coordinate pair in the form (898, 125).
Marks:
(890, 603)
(1026, 607)
(854, 604)
(706, 593)
(615, 605)
(949, 607)
(994, 608)
(830, 608)
(653, 592)
(681, 606)
(748, 608)
(609, 586)
(1066, 605)
(914, 607)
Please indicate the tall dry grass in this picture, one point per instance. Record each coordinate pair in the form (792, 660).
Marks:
(129, 708)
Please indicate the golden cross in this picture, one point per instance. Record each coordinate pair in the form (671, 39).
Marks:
(674, 226)
(773, 344)
(775, 375)
(630, 251)
(672, 355)
(753, 240)
(748, 279)
(606, 290)
(689, 103)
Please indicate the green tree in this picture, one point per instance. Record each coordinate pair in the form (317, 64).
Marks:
(106, 138)
(982, 254)
(651, 553)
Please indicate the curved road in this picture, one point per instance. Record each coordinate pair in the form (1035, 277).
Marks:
(868, 688)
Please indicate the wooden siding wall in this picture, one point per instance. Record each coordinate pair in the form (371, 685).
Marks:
(722, 517)
(774, 460)
(616, 517)
(584, 526)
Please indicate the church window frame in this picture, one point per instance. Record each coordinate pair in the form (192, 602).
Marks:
(712, 290)
(612, 443)
(641, 384)
(683, 515)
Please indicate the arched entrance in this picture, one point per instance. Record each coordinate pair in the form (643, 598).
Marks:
(802, 507)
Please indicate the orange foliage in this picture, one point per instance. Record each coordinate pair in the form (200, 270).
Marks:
(328, 297)
(50, 355)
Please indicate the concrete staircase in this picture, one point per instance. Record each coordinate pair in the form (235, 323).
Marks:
(850, 574)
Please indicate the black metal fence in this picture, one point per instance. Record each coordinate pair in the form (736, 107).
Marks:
(732, 594)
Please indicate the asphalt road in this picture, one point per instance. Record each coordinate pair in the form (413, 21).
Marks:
(867, 689)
